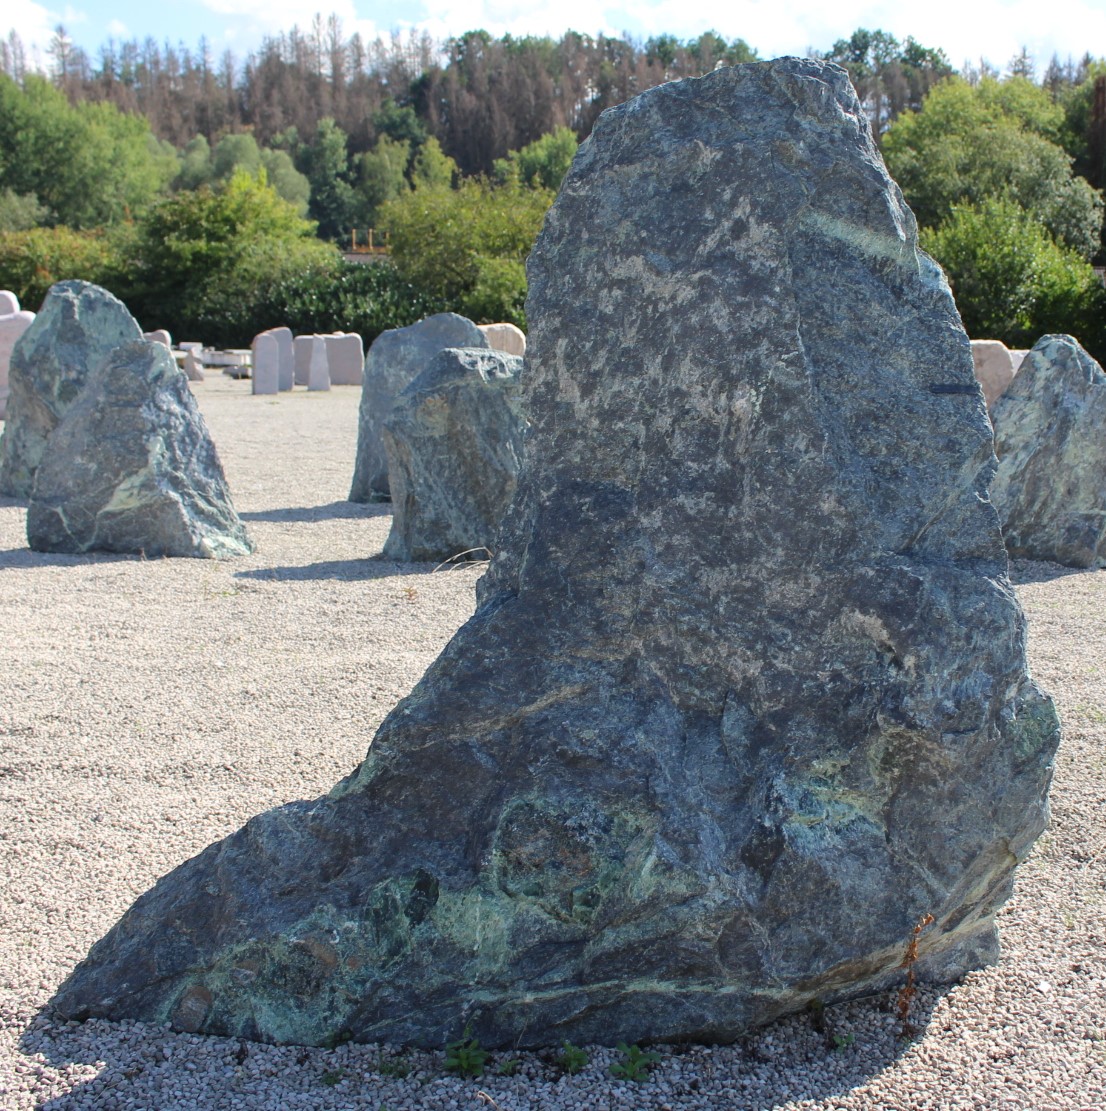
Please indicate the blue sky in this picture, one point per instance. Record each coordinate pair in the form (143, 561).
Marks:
(966, 30)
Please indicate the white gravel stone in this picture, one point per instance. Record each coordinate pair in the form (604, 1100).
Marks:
(149, 708)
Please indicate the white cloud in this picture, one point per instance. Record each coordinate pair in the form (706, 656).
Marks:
(33, 23)
(996, 29)
(251, 20)
(118, 29)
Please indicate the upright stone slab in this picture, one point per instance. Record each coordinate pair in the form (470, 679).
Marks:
(745, 695)
(994, 368)
(454, 441)
(76, 331)
(318, 369)
(345, 356)
(265, 357)
(192, 366)
(302, 346)
(509, 338)
(1050, 438)
(12, 327)
(395, 359)
(131, 468)
(287, 377)
(9, 303)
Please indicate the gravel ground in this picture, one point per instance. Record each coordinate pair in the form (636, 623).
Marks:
(150, 708)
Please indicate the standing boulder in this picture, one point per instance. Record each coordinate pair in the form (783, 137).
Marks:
(75, 333)
(453, 440)
(395, 359)
(131, 468)
(745, 696)
(1050, 438)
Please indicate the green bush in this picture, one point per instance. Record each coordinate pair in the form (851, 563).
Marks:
(201, 258)
(465, 247)
(32, 261)
(339, 296)
(1013, 282)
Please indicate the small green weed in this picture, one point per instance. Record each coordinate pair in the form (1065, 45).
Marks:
(843, 1041)
(330, 1079)
(508, 1067)
(636, 1062)
(573, 1059)
(398, 1068)
(464, 1056)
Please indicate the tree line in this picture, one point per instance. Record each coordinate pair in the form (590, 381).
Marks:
(457, 150)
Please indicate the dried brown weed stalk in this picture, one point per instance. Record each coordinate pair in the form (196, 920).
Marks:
(909, 990)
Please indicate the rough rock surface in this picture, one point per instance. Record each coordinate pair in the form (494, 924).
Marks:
(745, 694)
(131, 468)
(454, 441)
(1050, 438)
(395, 358)
(994, 368)
(77, 329)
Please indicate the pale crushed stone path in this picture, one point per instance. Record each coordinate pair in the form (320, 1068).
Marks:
(149, 708)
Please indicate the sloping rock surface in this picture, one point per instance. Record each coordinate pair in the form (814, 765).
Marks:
(77, 329)
(394, 360)
(745, 693)
(453, 441)
(1050, 438)
(131, 468)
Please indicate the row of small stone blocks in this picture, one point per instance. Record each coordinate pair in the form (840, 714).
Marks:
(317, 361)
(337, 359)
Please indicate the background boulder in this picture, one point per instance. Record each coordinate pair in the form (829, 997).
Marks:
(395, 358)
(1050, 439)
(76, 331)
(131, 468)
(453, 442)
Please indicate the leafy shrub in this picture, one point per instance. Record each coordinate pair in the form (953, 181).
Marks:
(466, 247)
(31, 261)
(202, 258)
(340, 296)
(1013, 282)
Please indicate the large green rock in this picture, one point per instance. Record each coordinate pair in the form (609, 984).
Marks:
(132, 468)
(74, 333)
(1050, 438)
(745, 695)
(394, 360)
(454, 441)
